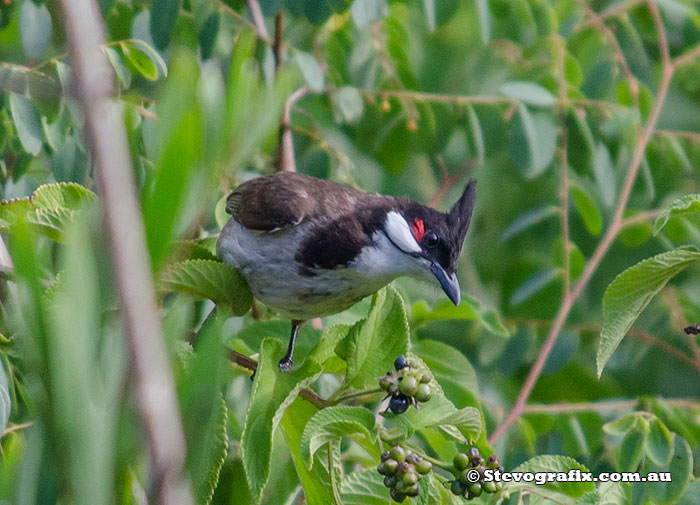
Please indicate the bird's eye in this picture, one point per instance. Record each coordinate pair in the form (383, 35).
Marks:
(431, 239)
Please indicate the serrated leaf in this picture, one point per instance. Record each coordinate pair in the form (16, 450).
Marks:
(549, 463)
(528, 219)
(588, 210)
(528, 92)
(631, 291)
(219, 282)
(333, 423)
(631, 450)
(162, 22)
(364, 487)
(659, 447)
(272, 393)
(218, 445)
(27, 121)
(374, 342)
(469, 309)
(686, 205)
(52, 222)
(63, 194)
(681, 471)
(35, 29)
(310, 69)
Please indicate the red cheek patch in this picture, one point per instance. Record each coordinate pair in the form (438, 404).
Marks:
(417, 229)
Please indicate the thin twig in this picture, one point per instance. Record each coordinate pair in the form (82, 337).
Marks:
(277, 46)
(601, 406)
(687, 57)
(611, 233)
(564, 155)
(16, 427)
(640, 218)
(692, 136)
(258, 20)
(613, 11)
(448, 181)
(132, 272)
(285, 149)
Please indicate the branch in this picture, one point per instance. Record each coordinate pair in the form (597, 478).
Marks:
(448, 181)
(564, 184)
(565, 408)
(612, 11)
(285, 147)
(258, 19)
(129, 256)
(610, 234)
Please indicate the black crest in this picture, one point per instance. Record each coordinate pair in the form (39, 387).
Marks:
(460, 214)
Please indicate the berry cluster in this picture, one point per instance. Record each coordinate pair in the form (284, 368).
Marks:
(406, 386)
(469, 467)
(402, 470)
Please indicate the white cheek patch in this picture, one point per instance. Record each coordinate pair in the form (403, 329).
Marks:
(399, 233)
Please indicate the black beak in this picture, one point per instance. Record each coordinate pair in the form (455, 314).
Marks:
(449, 283)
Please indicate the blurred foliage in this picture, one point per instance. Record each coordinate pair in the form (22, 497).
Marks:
(402, 98)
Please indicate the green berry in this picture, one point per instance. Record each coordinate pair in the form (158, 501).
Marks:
(397, 452)
(385, 382)
(397, 496)
(391, 466)
(409, 386)
(457, 488)
(463, 476)
(475, 489)
(423, 393)
(426, 378)
(424, 467)
(493, 462)
(389, 481)
(461, 461)
(410, 478)
(499, 486)
(412, 490)
(381, 468)
(400, 486)
(489, 487)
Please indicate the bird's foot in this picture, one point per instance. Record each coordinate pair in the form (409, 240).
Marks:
(285, 364)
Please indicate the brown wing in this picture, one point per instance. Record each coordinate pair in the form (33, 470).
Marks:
(285, 199)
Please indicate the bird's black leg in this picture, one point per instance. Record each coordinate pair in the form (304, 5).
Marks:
(285, 364)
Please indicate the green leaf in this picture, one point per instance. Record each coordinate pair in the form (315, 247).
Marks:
(333, 423)
(429, 6)
(208, 34)
(527, 219)
(469, 309)
(659, 446)
(631, 291)
(588, 210)
(686, 205)
(532, 142)
(217, 281)
(139, 61)
(63, 194)
(560, 490)
(484, 13)
(163, 17)
(528, 92)
(35, 29)
(349, 104)
(123, 73)
(681, 471)
(5, 399)
(451, 369)
(631, 449)
(477, 135)
(364, 487)
(620, 426)
(272, 393)
(532, 285)
(374, 342)
(311, 70)
(27, 121)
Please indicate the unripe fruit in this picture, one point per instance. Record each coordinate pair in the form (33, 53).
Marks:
(399, 404)
(413, 490)
(382, 469)
(457, 488)
(476, 461)
(423, 393)
(404, 467)
(385, 382)
(400, 362)
(464, 477)
(461, 461)
(412, 458)
(391, 466)
(400, 486)
(393, 388)
(499, 486)
(424, 467)
(493, 462)
(489, 487)
(397, 496)
(475, 489)
(409, 386)
(425, 378)
(410, 478)
(386, 107)
(473, 452)
(389, 481)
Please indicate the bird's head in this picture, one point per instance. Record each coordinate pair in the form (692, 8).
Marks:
(434, 239)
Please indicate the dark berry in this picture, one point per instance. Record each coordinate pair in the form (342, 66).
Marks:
(489, 487)
(397, 496)
(493, 462)
(414, 459)
(424, 467)
(475, 489)
(389, 481)
(410, 478)
(412, 490)
(461, 461)
(476, 461)
(385, 455)
(423, 393)
(399, 403)
(409, 386)
(457, 488)
(401, 362)
(398, 453)
(473, 452)
(391, 465)
(501, 469)
(404, 467)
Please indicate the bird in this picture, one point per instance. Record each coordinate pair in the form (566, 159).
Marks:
(311, 247)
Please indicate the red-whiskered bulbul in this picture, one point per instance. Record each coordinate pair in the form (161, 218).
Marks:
(310, 247)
